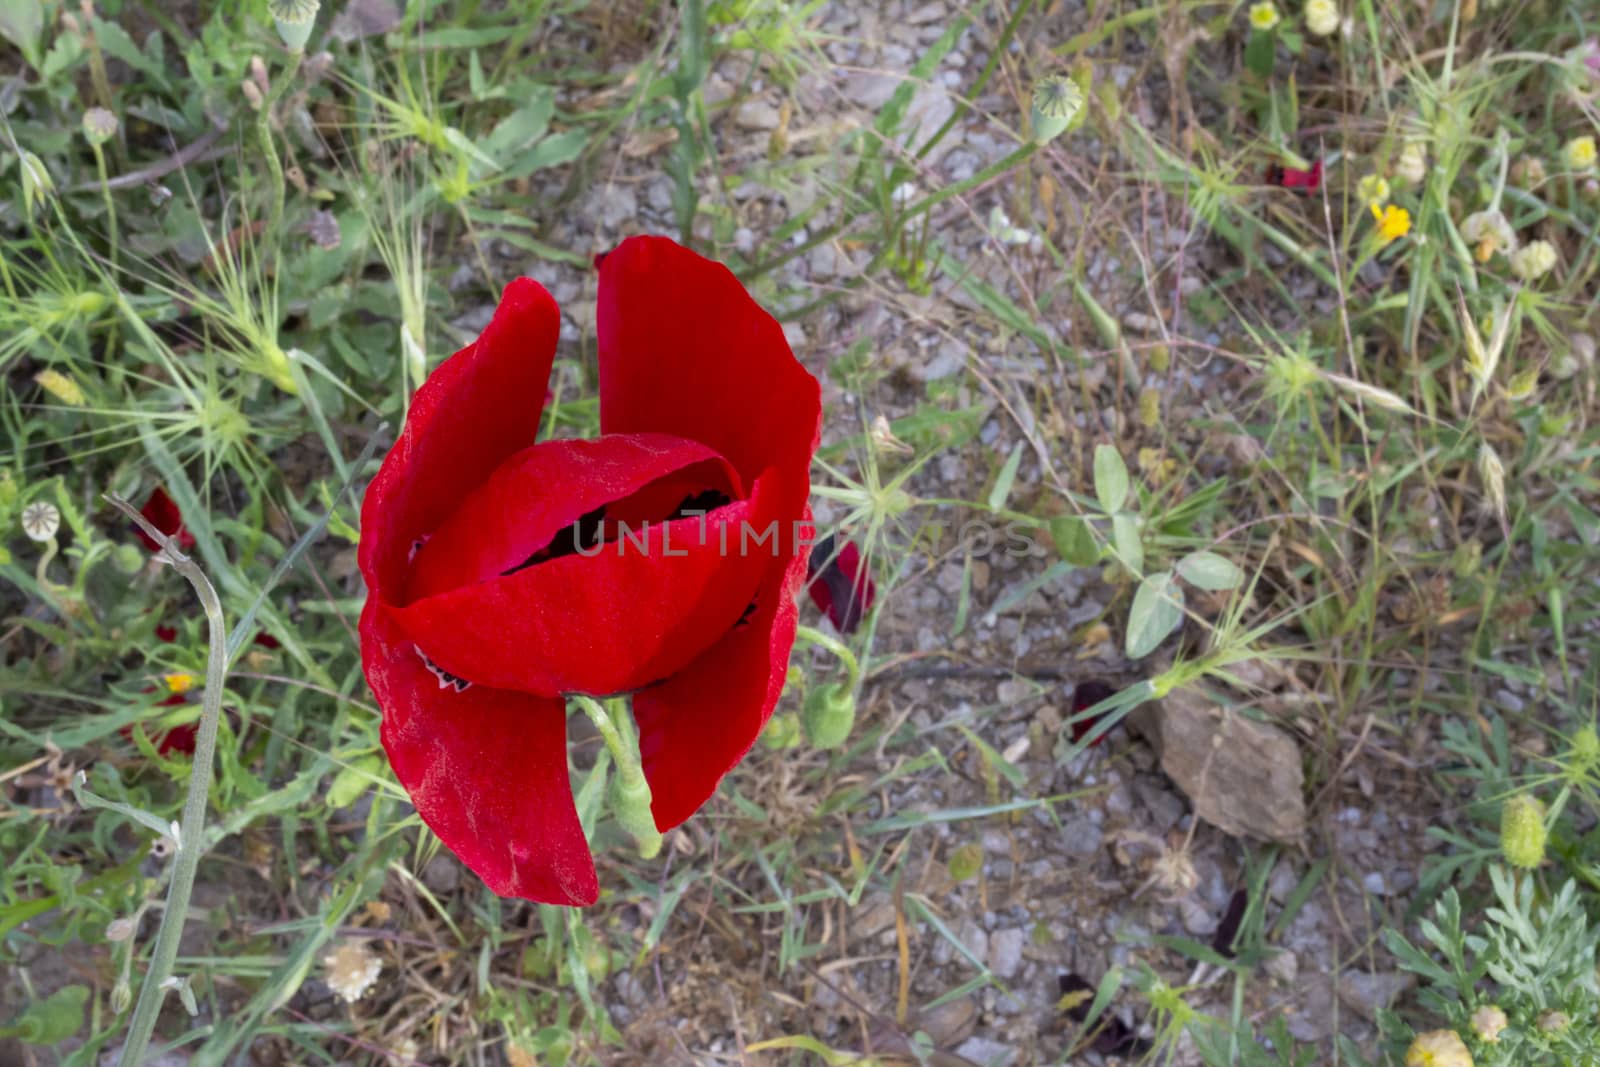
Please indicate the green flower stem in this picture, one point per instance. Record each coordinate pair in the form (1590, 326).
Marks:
(852, 666)
(191, 830)
(264, 134)
(111, 208)
(630, 792)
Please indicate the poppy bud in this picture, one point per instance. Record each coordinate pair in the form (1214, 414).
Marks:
(783, 731)
(99, 125)
(294, 19)
(1522, 832)
(630, 803)
(829, 715)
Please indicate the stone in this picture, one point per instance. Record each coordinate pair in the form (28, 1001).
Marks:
(986, 1052)
(1370, 993)
(1242, 776)
(756, 114)
(1005, 952)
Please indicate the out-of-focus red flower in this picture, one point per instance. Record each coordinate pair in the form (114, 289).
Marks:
(839, 584)
(1307, 181)
(179, 739)
(502, 576)
(161, 512)
(1086, 695)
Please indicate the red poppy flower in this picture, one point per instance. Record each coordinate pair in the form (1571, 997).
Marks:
(161, 512)
(839, 584)
(179, 738)
(660, 559)
(1293, 178)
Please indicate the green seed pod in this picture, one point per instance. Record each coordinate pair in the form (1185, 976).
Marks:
(1522, 832)
(629, 794)
(829, 715)
(128, 558)
(1586, 747)
(294, 19)
(1057, 101)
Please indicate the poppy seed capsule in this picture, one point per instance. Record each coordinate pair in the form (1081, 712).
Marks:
(1522, 832)
(829, 715)
(1057, 102)
(629, 794)
(294, 19)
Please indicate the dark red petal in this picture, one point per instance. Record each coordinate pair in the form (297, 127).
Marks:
(166, 633)
(486, 769)
(684, 350)
(1086, 695)
(161, 512)
(479, 407)
(840, 585)
(548, 487)
(697, 725)
(267, 641)
(625, 616)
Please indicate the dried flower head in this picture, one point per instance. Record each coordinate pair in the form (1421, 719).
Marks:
(1527, 172)
(1553, 1021)
(99, 125)
(1322, 17)
(1264, 16)
(352, 969)
(1493, 473)
(1488, 232)
(1412, 166)
(40, 521)
(1534, 261)
(1373, 189)
(1487, 1022)
(1438, 1048)
(1579, 153)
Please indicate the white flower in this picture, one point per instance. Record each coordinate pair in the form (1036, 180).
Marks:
(1412, 166)
(1006, 232)
(904, 193)
(1534, 261)
(1489, 232)
(352, 969)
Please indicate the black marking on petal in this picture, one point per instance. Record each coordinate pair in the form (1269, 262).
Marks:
(750, 609)
(700, 503)
(569, 540)
(446, 679)
(416, 546)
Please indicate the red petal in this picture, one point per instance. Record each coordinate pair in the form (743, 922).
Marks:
(685, 351)
(478, 408)
(166, 633)
(486, 769)
(697, 725)
(1086, 695)
(161, 512)
(546, 488)
(627, 615)
(840, 585)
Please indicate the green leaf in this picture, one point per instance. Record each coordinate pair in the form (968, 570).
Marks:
(1260, 53)
(1008, 475)
(353, 780)
(520, 129)
(1110, 478)
(966, 861)
(1210, 571)
(1074, 540)
(1157, 610)
(1125, 538)
(52, 1020)
(21, 23)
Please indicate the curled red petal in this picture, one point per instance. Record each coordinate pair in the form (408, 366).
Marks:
(479, 407)
(839, 584)
(547, 489)
(685, 350)
(486, 769)
(627, 615)
(735, 684)
(1086, 695)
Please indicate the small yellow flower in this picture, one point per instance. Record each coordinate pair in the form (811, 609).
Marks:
(1579, 153)
(1392, 222)
(1322, 17)
(1372, 189)
(1438, 1048)
(1487, 1022)
(61, 387)
(178, 683)
(1534, 261)
(1264, 16)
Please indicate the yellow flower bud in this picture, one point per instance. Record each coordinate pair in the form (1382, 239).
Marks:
(1579, 153)
(1438, 1048)
(1264, 16)
(1322, 17)
(1487, 1022)
(1522, 831)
